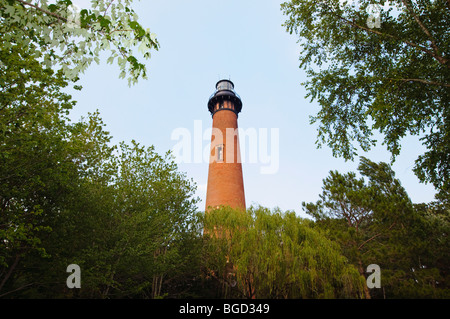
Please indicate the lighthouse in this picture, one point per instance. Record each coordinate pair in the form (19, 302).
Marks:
(225, 179)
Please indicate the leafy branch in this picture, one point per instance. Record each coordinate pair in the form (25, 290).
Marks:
(99, 29)
(434, 54)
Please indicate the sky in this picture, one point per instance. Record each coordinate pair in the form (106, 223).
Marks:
(201, 42)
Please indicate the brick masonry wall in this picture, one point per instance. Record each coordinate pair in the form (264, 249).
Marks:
(225, 178)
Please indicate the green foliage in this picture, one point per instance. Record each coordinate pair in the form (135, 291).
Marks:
(70, 40)
(124, 214)
(375, 222)
(394, 79)
(127, 219)
(129, 230)
(127, 216)
(431, 252)
(38, 150)
(264, 254)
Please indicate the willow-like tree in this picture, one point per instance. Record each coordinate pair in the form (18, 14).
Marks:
(378, 66)
(262, 254)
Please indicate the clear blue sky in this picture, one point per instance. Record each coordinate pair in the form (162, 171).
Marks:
(201, 42)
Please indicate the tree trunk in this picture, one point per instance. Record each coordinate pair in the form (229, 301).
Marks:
(156, 286)
(362, 272)
(10, 271)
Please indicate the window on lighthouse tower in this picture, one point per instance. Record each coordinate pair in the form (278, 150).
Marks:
(219, 153)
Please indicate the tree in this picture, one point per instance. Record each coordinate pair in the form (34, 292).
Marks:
(431, 251)
(71, 40)
(153, 217)
(65, 196)
(132, 228)
(262, 254)
(393, 77)
(42, 156)
(375, 222)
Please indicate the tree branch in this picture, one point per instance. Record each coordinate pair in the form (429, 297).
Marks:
(42, 10)
(107, 8)
(346, 214)
(375, 236)
(422, 81)
(427, 32)
(386, 35)
(439, 58)
(17, 289)
(370, 239)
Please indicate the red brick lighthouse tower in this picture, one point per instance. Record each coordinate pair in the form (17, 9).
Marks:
(225, 180)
